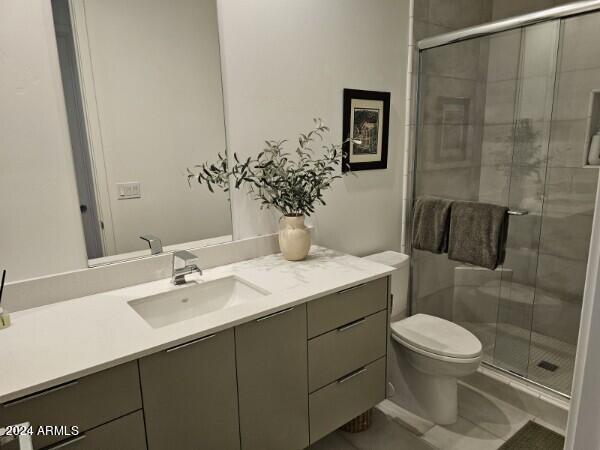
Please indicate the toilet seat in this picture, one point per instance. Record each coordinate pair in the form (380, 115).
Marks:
(437, 337)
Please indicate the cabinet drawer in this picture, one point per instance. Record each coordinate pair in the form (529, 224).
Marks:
(125, 433)
(87, 402)
(345, 349)
(342, 400)
(335, 310)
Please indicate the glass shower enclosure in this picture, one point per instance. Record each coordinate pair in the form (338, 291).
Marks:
(503, 119)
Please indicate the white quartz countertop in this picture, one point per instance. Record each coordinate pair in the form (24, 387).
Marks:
(60, 342)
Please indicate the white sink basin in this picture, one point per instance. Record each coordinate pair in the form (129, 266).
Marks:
(195, 299)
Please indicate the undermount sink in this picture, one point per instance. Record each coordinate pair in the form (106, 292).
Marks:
(195, 299)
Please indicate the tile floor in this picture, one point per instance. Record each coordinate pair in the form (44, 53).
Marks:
(485, 422)
(521, 350)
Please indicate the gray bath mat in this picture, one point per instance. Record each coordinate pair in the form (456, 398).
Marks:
(534, 437)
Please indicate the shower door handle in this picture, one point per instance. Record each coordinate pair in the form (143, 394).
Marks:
(517, 212)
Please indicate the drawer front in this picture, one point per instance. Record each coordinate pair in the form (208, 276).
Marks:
(87, 402)
(350, 347)
(342, 400)
(124, 433)
(345, 306)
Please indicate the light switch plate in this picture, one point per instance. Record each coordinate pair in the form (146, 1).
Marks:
(129, 190)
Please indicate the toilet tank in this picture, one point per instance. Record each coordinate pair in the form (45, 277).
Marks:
(400, 276)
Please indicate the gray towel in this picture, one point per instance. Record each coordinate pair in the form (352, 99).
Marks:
(430, 224)
(478, 234)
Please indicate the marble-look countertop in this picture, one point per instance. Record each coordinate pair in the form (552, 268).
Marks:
(63, 341)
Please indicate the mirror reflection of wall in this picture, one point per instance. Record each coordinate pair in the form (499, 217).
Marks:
(143, 92)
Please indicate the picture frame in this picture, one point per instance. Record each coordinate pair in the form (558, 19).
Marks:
(366, 119)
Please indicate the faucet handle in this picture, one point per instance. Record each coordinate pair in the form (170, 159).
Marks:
(185, 257)
(154, 243)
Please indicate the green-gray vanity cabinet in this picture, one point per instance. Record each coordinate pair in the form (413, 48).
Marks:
(92, 403)
(347, 349)
(278, 382)
(190, 395)
(273, 381)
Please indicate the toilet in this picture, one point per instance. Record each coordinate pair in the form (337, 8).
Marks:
(429, 354)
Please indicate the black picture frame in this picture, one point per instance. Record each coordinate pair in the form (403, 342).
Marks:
(351, 95)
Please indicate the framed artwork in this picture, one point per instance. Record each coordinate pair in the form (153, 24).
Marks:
(367, 123)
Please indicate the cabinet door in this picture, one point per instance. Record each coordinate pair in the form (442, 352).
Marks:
(190, 395)
(273, 381)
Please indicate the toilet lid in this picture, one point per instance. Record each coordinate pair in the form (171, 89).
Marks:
(438, 336)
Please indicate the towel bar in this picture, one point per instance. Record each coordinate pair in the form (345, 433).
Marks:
(517, 213)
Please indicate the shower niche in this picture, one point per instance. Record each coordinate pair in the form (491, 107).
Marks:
(591, 150)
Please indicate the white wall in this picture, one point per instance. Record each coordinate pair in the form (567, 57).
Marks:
(40, 224)
(287, 61)
(157, 82)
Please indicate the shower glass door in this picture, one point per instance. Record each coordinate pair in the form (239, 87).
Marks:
(530, 88)
(501, 120)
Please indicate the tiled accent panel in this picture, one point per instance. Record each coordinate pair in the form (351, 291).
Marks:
(570, 189)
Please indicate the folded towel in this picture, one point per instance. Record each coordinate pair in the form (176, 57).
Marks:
(478, 234)
(430, 224)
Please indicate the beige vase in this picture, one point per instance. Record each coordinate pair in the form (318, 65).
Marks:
(294, 238)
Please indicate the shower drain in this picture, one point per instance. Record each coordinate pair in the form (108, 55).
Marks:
(547, 366)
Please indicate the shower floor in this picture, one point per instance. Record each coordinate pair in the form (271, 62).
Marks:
(520, 351)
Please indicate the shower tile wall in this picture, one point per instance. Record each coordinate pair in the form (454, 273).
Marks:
(433, 17)
(508, 8)
(570, 189)
(429, 18)
(454, 74)
(453, 83)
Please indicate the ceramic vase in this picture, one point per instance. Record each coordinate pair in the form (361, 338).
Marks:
(294, 238)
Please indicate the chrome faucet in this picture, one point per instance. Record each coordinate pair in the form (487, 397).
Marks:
(184, 263)
(154, 243)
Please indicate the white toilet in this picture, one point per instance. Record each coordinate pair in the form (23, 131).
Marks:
(429, 354)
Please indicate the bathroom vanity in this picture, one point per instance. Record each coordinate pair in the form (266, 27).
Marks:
(278, 370)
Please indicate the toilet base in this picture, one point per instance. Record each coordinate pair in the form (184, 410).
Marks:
(434, 398)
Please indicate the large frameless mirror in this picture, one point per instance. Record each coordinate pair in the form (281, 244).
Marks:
(143, 93)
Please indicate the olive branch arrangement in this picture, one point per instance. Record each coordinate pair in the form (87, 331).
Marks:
(291, 185)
